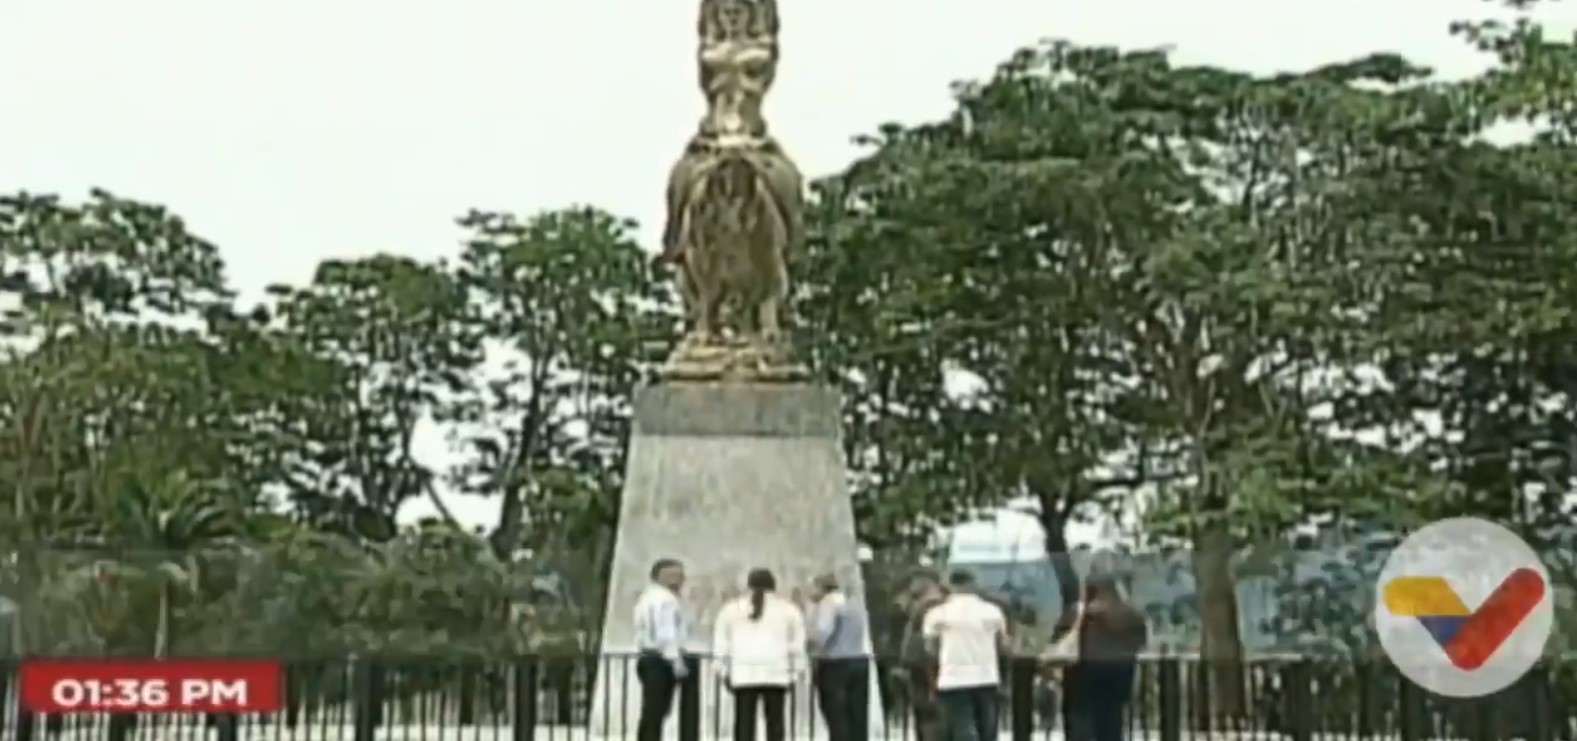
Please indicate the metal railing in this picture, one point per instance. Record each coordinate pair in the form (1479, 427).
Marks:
(556, 699)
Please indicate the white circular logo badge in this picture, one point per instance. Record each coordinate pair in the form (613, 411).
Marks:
(1464, 607)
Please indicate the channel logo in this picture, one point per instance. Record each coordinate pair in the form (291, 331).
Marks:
(1423, 616)
(1469, 637)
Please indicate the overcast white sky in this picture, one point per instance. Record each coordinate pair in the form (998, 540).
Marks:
(289, 131)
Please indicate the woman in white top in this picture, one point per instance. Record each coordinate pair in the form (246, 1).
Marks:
(759, 644)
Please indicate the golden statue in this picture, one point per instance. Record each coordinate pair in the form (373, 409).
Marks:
(735, 208)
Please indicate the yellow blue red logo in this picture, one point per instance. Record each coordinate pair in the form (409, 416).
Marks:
(1464, 607)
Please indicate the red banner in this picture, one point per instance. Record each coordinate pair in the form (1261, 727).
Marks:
(151, 686)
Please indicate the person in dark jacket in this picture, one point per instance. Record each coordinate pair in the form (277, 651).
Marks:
(925, 592)
(1099, 684)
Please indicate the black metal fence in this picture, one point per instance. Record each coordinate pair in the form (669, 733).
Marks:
(553, 699)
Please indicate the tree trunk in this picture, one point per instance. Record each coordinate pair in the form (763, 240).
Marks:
(505, 538)
(161, 635)
(1055, 527)
(602, 555)
(29, 583)
(1222, 646)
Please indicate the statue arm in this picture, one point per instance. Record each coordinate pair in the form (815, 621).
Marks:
(787, 189)
(793, 199)
(680, 180)
(794, 215)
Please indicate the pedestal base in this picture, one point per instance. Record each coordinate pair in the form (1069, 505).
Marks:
(734, 361)
(726, 478)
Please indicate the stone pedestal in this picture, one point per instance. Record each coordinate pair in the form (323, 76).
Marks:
(724, 477)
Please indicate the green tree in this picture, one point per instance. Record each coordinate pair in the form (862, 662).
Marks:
(571, 310)
(127, 425)
(1486, 321)
(1151, 269)
(394, 342)
(870, 326)
(106, 258)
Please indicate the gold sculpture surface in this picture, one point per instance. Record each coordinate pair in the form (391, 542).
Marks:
(735, 208)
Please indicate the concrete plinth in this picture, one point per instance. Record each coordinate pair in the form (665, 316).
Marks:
(725, 478)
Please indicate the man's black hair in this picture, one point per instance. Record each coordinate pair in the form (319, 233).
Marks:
(659, 565)
(961, 578)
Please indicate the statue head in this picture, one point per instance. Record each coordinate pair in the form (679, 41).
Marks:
(738, 61)
(726, 19)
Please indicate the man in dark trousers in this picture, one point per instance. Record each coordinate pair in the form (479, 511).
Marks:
(660, 632)
(839, 632)
(968, 635)
(925, 593)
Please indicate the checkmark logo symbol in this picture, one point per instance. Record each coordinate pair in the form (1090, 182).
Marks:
(1468, 637)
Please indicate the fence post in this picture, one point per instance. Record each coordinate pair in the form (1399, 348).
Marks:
(21, 720)
(293, 693)
(1410, 707)
(25, 724)
(524, 699)
(1367, 677)
(564, 685)
(1021, 697)
(366, 698)
(1170, 675)
(467, 709)
(1299, 686)
(1483, 721)
(1202, 698)
(122, 726)
(8, 670)
(1539, 684)
(228, 726)
(690, 701)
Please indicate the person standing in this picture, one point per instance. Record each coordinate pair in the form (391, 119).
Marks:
(842, 672)
(968, 634)
(925, 594)
(1108, 635)
(660, 631)
(759, 644)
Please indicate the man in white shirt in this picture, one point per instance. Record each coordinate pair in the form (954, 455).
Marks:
(660, 632)
(967, 634)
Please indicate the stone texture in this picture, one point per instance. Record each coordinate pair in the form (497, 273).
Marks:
(724, 477)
